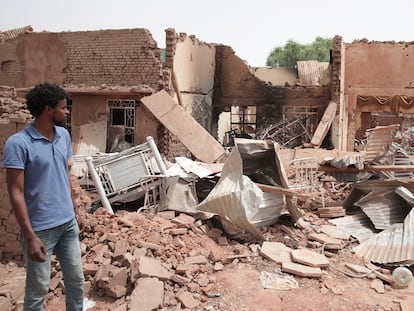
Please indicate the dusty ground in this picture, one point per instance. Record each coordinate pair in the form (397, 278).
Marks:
(239, 289)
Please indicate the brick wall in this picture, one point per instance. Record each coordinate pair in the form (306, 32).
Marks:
(9, 230)
(126, 56)
(336, 68)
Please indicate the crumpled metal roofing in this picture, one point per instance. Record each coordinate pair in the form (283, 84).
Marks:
(379, 140)
(394, 245)
(358, 225)
(384, 208)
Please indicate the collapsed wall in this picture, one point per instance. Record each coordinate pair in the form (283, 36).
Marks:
(13, 118)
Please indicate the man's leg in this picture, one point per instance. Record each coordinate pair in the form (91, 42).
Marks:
(69, 255)
(38, 273)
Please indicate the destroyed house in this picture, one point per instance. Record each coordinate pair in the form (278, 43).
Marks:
(111, 76)
(108, 72)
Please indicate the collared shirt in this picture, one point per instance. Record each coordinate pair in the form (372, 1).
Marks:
(46, 177)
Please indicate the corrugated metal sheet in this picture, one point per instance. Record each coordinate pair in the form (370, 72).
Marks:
(359, 226)
(312, 72)
(406, 194)
(366, 186)
(384, 208)
(236, 198)
(379, 140)
(396, 155)
(394, 245)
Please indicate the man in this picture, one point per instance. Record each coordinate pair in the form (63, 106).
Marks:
(38, 182)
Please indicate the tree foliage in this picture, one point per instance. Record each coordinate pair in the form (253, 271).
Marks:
(293, 51)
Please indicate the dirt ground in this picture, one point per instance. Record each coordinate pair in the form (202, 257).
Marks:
(238, 288)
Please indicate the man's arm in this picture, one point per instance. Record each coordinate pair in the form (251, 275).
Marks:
(15, 185)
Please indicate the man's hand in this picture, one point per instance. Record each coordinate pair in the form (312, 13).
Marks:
(36, 250)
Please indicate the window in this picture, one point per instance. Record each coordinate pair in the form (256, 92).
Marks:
(243, 120)
(122, 115)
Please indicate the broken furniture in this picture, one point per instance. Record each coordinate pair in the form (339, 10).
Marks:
(306, 176)
(288, 133)
(129, 174)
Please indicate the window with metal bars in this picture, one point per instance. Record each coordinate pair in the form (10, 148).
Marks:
(122, 115)
(243, 120)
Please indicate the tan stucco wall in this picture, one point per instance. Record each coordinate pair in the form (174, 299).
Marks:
(194, 67)
(88, 108)
(276, 76)
(379, 66)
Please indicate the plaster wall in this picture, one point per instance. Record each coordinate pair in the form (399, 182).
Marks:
(386, 66)
(194, 65)
(88, 108)
(276, 76)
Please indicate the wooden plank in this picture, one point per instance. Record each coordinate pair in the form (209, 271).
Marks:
(324, 125)
(294, 212)
(369, 168)
(198, 141)
(283, 191)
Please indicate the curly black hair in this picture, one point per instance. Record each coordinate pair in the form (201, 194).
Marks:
(42, 95)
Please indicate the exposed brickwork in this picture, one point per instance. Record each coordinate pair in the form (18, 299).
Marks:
(171, 40)
(119, 57)
(13, 118)
(336, 68)
(9, 230)
(11, 70)
(127, 57)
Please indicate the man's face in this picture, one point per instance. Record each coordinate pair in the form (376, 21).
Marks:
(60, 113)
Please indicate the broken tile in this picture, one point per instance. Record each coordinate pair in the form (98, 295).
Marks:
(309, 258)
(301, 270)
(276, 251)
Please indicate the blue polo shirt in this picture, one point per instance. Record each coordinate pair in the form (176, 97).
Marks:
(46, 177)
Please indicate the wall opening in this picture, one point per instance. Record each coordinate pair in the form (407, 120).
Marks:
(243, 120)
(121, 124)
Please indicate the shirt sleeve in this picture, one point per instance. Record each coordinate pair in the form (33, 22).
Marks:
(14, 153)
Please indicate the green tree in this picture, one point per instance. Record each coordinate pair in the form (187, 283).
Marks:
(293, 51)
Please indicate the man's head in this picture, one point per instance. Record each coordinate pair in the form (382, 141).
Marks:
(42, 95)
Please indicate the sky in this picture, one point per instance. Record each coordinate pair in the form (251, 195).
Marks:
(253, 28)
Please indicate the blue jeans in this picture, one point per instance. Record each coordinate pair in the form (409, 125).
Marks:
(64, 241)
